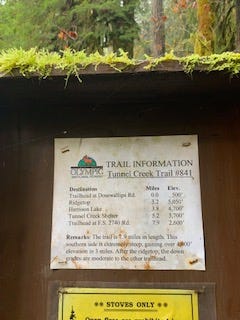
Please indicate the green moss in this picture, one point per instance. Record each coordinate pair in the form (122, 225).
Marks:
(204, 35)
(227, 61)
(155, 62)
(43, 63)
(28, 62)
(69, 61)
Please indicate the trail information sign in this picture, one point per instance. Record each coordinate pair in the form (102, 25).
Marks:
(127, 203)
(127, 304)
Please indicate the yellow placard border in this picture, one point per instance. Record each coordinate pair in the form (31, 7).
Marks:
(87, 291)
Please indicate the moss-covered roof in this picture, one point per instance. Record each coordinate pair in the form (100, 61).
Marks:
(42, 63)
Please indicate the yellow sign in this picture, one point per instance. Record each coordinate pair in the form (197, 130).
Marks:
(127, 304)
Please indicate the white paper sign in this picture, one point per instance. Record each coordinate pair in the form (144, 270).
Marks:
(127, 203)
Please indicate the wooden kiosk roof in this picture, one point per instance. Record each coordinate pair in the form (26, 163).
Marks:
(105, 86)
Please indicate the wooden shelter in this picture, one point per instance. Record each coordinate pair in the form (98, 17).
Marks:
(163, 102)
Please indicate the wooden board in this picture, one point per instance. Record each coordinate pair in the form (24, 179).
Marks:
(32, 114)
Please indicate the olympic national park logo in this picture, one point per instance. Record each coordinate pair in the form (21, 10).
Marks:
(87, 162)
(87, 168)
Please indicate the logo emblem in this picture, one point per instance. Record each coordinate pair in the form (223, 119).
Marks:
(87, 168)
(86, 161)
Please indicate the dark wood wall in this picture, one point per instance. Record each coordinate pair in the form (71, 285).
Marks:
(33, 113)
